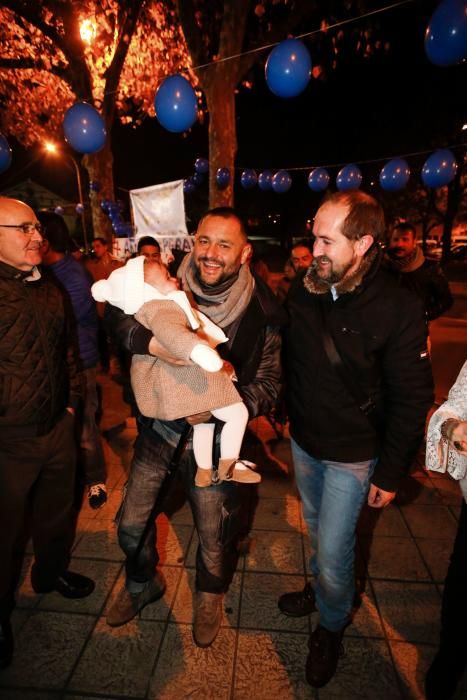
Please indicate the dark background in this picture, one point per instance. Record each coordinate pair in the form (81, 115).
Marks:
(392, 104)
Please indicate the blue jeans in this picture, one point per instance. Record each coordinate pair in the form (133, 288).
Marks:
(218, 513)
(332, 496)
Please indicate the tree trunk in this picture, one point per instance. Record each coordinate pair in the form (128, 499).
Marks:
(99, 168)
(220, 99)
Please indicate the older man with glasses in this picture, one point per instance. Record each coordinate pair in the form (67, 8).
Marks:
(38, 395)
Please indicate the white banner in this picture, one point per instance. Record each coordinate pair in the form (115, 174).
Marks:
(159, 210)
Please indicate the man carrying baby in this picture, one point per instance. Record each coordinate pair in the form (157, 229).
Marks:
(222, 287)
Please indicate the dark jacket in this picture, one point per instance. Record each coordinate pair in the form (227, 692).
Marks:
(380, 332)
(74, 279)
(428, 281)
(37, 365)
(253, 349)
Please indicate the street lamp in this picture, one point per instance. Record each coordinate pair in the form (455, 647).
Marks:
(53, 150)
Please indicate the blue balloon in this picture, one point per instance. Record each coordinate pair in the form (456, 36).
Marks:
(318, 179)
(84, 128)
(79, 208)
(395, 175)
(281, 182)
(121, 228)
(222, 177)
(349, 178)
(189, 185)
(95, 186)
(105, 205)
(288, 68)
(248, 179)
(446, 34)
(439, 169)
(202, 166)
(59, 210)
(5, 154)
(265, 180)
(175, 104)
(198, 178)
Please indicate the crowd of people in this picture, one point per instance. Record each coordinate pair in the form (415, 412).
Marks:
(347, 334)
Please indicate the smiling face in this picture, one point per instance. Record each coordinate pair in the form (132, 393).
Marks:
(18, 249)
(335, 255)
(220, 249)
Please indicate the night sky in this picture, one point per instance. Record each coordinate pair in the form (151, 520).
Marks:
(393, 104)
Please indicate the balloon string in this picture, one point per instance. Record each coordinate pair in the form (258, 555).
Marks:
(362, 162)
(301, 36)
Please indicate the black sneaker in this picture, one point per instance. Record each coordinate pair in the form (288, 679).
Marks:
(325, 650)
(97, 496)
(298, 603)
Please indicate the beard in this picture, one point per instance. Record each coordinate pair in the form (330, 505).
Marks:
(331, 275)
(397, 252)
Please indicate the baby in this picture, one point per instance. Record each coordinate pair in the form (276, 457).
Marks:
(166, 391)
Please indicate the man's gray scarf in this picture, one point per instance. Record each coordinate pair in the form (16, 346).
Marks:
(223, 303)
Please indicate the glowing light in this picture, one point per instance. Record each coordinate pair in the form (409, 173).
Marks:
(50, 147)
(87, 30)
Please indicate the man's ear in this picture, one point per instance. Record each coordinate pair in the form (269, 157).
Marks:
(246, 253)
(364, 243)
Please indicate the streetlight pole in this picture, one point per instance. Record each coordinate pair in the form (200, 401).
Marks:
(52, 148)
(80, 195)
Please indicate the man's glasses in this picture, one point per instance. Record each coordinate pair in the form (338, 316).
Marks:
(28, 229)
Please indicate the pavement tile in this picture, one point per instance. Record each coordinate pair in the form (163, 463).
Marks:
(99, 542)
(436, 554)
(129, 653)
(394, 558)
(259, 608)
(271, 665)
(277, 552)
(365, 672)
(278, 514)
(47, 648)
(183, 670)
(419, 490)
(104, 575)
(387, 522)
(173, 540)
(366, 620)
(430, 521)
(25, 694)
(410, 612)
(182, 610)
(412, 662)
(449, 491)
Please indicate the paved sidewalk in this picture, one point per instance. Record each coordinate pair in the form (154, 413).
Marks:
(66, 650)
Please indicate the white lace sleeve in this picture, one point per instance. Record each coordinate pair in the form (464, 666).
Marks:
(440, 456)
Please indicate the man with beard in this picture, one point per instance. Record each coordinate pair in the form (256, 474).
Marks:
(358, 387)
(405, 259)
(221, 285)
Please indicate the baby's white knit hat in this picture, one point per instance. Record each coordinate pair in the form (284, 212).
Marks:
(124, 287)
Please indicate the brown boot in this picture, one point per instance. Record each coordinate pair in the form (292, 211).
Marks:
(207, 617)
(203, 477)
(229, 472)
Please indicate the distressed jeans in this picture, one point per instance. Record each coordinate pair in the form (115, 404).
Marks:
(218, 514)
(332, 496)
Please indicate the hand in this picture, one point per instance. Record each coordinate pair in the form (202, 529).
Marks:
(71, 410)
(230, 369)
(459, 437)
(155, 348)
(378, 498)
(199, 418)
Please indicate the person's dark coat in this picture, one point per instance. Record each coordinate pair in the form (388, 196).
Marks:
(38, 377)
(380, 332)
